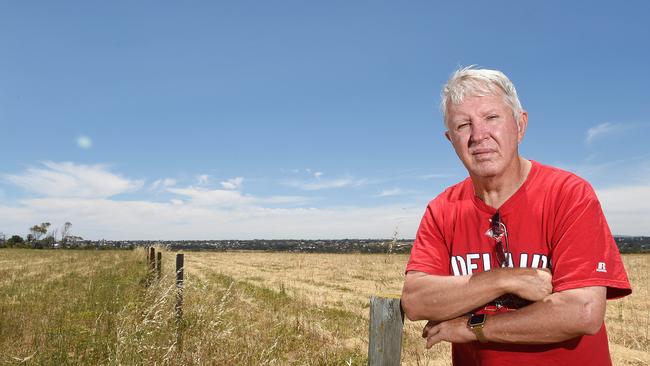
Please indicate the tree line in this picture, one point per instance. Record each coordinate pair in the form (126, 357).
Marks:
(41, 236)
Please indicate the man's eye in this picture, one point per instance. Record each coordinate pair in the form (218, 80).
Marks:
(492, 116)
(463, 125)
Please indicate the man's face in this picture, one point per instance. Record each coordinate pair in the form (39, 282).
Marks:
(485, 134)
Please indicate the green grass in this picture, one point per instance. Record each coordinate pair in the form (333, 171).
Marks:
(62, 307)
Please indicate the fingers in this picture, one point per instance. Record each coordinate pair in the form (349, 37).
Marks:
(453, 331)
(427, 327)
(433, 337)
(431, 341)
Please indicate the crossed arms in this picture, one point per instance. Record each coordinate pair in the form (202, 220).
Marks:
(552, 317)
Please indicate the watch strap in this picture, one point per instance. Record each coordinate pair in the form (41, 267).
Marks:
(478, 330)
(477, 327)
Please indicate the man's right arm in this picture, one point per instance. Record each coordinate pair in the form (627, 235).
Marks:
(439, 298)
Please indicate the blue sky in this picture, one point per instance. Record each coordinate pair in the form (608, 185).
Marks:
(293, 119)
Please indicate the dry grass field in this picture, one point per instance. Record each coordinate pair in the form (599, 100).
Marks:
(240, 308)
(346, 281)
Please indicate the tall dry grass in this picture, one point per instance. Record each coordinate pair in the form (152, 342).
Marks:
(230, 322)
(345, 281)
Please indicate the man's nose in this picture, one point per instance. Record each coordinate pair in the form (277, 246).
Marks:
(479, 132)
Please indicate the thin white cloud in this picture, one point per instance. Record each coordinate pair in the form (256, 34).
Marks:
(200, 196)
(84, 142)
(326, 184)
(308, 171)
(213, 197)
(162, 184)
(604, 129)
(67, 179)
(391, 192)
(234, 183)
(203, 179)
(434, 176)
(295, 200)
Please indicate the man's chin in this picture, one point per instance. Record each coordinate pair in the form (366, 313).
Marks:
(487, 169)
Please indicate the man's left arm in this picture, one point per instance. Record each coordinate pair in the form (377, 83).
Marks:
(558, 317)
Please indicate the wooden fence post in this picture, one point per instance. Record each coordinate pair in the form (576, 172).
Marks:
(152, 259)
(385, 333)
(180, 258)
(158, 264)
(180, 268)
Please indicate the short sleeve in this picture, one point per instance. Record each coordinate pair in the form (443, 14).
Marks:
(584, 252)
(429, 253)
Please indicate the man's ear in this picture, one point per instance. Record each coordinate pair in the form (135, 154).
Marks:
(447, 135)
(522, 125)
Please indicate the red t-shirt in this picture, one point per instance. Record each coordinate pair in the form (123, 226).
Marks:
(554, 221)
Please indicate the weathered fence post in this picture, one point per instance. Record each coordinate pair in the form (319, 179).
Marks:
(158, 264)
(385, 334)
(152, 259)
(180, 267)
(179, 285)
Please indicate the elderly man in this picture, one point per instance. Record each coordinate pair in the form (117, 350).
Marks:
(514, 264)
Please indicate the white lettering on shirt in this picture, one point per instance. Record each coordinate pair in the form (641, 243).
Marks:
(475, 262)
(471, 265)
(458, 265)
(523, 260)
(486, 262)
(536, 258)
(544, 261)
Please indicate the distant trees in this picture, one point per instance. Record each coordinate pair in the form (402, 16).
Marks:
(16, 241)
(38, 231)
(42, 235)
(65, 232)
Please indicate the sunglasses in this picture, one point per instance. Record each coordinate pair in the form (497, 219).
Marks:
(499, 232)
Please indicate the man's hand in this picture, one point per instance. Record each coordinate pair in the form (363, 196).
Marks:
(532, 284)
(454, 330)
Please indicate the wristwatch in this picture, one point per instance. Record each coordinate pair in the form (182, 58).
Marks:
(476, 323)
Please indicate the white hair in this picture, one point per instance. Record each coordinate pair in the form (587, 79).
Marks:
(469, 81)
